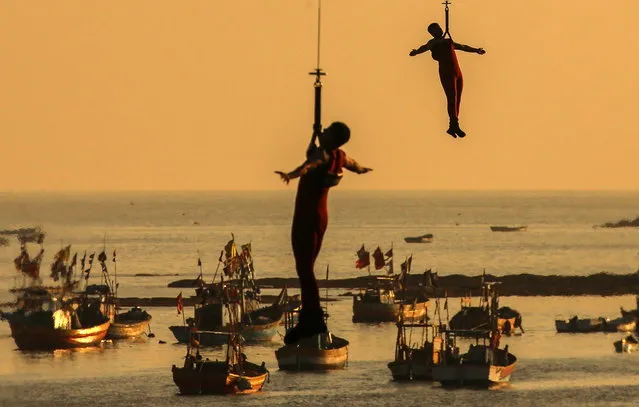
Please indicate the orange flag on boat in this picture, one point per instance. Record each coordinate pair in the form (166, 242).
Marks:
(180, 303)
(379, 259)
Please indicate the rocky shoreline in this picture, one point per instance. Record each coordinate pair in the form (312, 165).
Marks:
(455, 285)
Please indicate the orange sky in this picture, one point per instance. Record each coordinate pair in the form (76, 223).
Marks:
(145, 95)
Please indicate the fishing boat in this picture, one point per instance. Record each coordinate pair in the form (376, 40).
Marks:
(44, 322)
(587, 325)
(212, 321)
(258, 323)
(509, 228)
(54, 317)
(324, 351)
(414, 362)
(130, 324)
(482, 365)
(628, 344)
(378, 303)
(30, 335)
(470, 318)
(234, 375)
(427, 238)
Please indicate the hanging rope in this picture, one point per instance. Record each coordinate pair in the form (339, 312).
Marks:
(446, 11)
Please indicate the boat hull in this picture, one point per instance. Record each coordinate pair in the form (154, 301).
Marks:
(28, 337)
(379, 312)
(313, 354)
(261, 332)
(473, 370)
(509, 228)
(205, 338)
(472, 375)
(218, 381)
(128, 329)
(589, 325)
(422, 371)
(400, 370)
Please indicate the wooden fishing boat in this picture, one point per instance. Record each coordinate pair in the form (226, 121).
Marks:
(218, 377)
(260, 325)
(29, 333)
(205, 338)
(509, 228)
(587, 325)
(212, 321)
(320, 352)
(234, 375)
(130, 324)
(378, 303)
(482, 365)
(324, 351)
(628, 344)
(414, 362)
(427, 238)
(509, 321)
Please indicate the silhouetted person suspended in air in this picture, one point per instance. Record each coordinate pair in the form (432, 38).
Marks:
(443, 51)
(321, 171)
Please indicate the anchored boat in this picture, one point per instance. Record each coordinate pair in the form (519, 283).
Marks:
(378, 303)
(234, 375)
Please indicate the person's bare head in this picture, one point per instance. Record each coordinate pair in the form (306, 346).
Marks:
(435, 30)
(334, 136)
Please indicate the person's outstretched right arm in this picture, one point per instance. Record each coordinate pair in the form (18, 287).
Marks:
(421, 49)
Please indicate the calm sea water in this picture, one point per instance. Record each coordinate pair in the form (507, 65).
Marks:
(162, 233)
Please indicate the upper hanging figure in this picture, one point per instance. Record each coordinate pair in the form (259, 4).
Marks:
(443, 51)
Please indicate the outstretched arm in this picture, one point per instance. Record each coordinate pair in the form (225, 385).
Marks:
(352, 165)
(299, 171)
(468, 48)
(421, 49)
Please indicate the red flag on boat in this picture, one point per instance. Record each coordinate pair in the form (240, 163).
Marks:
(363, 258)
(379, 259)
(389, 253)
(180, 303)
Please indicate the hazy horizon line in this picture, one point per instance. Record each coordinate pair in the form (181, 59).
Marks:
(289, 189)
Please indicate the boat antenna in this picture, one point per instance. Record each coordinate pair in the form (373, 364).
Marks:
(318, 73)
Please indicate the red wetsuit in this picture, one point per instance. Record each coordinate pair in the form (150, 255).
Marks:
(450, 75)
(309, 225)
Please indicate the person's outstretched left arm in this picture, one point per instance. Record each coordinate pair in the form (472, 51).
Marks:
(468, 48)
(352, 165)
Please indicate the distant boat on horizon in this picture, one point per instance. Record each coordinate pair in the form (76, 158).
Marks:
(509, 228)
(427, 238)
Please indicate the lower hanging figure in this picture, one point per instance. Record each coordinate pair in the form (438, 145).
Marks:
(443, 51)
(321, 171)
